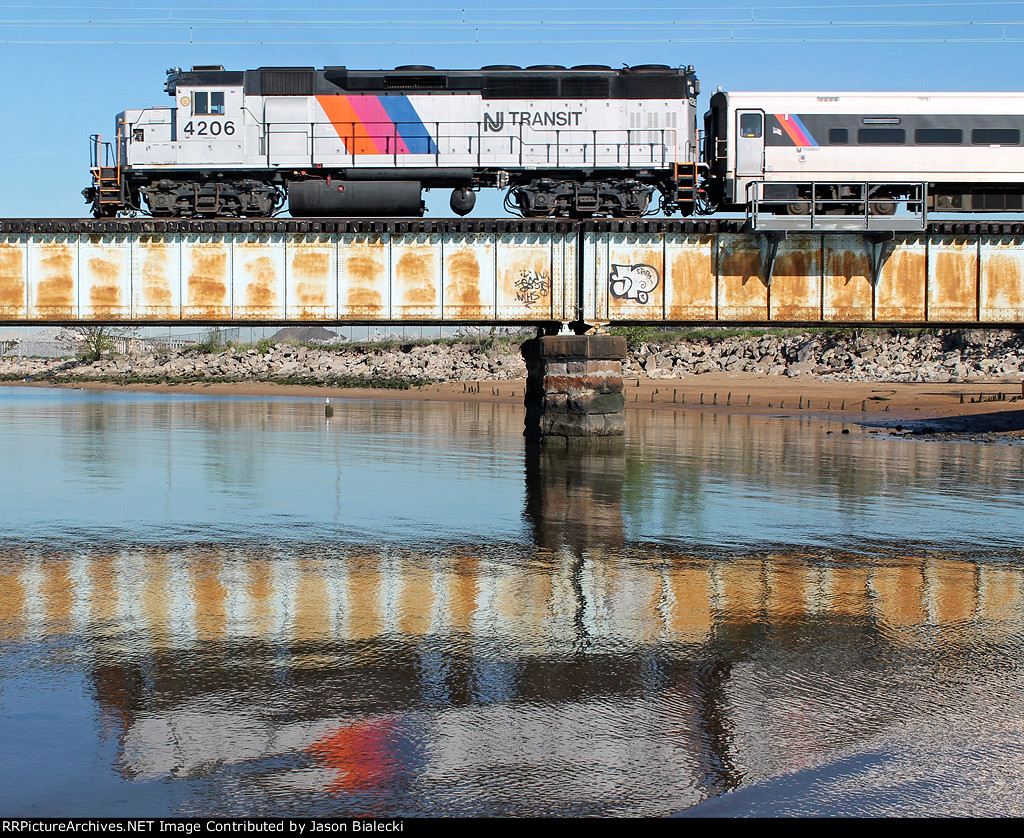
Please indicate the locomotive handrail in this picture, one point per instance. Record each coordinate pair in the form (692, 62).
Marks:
(385, 138)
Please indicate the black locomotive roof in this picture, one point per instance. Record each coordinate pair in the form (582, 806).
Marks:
(647, 81)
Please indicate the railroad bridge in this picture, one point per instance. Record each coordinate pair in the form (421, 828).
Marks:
(151, 272)
(511, 271)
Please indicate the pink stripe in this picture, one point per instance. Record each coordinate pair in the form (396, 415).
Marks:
(798, 136)
(378, 124)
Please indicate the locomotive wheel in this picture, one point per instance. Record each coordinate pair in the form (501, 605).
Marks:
(886, 207)
(798, 208)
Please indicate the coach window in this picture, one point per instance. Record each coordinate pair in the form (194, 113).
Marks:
(995, 136)
(750, 125)
(880, 136)
(838, 136)
(938, 136)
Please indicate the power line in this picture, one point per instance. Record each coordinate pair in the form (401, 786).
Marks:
(689, 40)
(743, 8)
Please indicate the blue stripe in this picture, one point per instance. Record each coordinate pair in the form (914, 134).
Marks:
(802, 127)
(410, 127)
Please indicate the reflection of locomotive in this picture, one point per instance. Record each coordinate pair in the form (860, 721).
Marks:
(579, 142)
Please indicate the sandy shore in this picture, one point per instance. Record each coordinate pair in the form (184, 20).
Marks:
(993, 409)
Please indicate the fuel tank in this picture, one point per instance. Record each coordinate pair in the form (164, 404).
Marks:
(326, 199)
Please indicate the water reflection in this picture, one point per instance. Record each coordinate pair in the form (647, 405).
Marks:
(387, 672)
(510, 630)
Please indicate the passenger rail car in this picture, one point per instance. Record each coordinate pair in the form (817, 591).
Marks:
(336, 142)
(852, 153)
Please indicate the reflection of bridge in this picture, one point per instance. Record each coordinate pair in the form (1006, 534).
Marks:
(503, 270)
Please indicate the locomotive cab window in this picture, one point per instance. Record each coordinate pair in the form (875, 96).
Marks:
(750, 125)
(208, 103)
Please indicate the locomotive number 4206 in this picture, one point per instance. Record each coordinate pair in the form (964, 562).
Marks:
(208, 129)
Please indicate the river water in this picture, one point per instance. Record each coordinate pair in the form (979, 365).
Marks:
(235, 606)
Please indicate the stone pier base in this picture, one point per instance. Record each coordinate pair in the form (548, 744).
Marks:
(574, 388)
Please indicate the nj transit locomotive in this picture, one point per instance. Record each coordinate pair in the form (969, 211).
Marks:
(339, 142)
(564, 142)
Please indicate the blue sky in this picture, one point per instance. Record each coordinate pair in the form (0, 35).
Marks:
(68, 66)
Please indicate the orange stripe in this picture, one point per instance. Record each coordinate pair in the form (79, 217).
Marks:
(349, 126)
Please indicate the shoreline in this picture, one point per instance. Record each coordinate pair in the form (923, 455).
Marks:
(990, 410)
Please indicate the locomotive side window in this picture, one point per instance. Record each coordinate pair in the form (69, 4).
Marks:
(995, 136)
(750, 125)
(880, 136)
(208, 103)
(938, 136)
(838, 136)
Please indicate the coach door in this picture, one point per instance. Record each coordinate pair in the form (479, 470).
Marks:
(749, 143)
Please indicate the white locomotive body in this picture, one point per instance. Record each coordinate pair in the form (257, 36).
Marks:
(578, 142)
(951, 152)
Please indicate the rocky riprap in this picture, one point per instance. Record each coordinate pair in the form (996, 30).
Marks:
(953, 355)
(346, 365)
(945, 355)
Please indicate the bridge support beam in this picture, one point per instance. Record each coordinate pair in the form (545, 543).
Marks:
(574, 388)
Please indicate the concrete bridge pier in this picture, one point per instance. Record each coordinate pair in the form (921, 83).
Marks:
(574, 388)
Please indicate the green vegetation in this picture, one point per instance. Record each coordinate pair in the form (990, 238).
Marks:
(96, 341)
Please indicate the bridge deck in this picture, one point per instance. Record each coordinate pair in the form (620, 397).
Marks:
(149, 271)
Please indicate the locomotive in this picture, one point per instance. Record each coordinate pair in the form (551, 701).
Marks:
(579, 142)
(337, 142)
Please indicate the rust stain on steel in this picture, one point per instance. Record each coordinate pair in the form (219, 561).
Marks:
(414, 278)
(414, 274)
(261, 291)
(366, 275)
(155, 287)
(900, 292)
(207, 283)
(1002, 281)
(55, 288)
(12, 280)
(311, 269)
(690, 284)
(105, 292)
(796, 280)
(462, 291)
(847, 290)
(742, 294)
(524, 280)
(953, 279)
